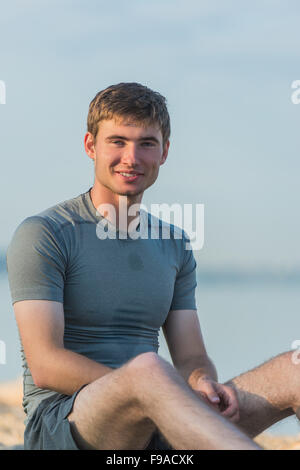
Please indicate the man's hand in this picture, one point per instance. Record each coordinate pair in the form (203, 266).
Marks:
(221, 397)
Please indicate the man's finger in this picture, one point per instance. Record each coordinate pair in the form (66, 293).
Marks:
(203, 395)
(231, 411)
(210, 392)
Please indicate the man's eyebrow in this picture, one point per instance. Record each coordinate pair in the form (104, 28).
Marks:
(148, 138)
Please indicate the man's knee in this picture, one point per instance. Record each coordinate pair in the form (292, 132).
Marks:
(277, 380)
(293, 358)
(148, 363)
(147, 359)
(149, 369)
(135, 370)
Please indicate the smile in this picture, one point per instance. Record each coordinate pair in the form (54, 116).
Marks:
(129, 176)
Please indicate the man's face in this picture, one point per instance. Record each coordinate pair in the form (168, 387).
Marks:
(126, 148)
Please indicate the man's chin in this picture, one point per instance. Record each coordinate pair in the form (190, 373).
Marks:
(129, 192)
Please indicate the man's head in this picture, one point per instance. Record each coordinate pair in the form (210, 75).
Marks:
(131, 102)
(128, 132)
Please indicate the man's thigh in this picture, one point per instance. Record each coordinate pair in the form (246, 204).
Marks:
(106, 415)
(267, 393)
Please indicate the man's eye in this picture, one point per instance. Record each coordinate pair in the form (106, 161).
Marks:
(144, 144)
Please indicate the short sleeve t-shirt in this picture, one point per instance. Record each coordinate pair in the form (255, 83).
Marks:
(116, 292)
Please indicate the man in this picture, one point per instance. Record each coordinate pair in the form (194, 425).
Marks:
(89, 307)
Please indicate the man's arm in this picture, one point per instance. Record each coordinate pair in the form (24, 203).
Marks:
(41, 328)
(185, 342)
(184, 338)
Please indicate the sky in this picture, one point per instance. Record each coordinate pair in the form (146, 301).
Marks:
(225, 67)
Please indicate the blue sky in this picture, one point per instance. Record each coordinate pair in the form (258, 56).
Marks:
(226, 69)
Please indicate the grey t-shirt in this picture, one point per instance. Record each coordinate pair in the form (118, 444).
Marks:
(116, 293)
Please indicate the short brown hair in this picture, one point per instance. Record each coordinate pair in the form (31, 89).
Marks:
(131, 101)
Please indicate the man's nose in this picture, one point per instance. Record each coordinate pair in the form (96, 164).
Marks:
(130, 154)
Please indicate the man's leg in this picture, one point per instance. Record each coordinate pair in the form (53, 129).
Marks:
(122, 409)
(268, 393)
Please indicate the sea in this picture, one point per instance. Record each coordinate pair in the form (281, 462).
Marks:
(244, 323)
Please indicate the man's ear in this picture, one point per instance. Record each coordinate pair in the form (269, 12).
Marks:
(89, 145)
(165, 152)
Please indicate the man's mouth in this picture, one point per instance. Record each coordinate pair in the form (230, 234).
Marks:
(130, 176)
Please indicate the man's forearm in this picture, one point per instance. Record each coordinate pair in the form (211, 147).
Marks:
(192, 370)
(65, 371)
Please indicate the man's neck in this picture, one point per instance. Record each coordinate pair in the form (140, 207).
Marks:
(115, 207)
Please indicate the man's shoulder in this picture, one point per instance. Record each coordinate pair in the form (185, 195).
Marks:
(63, 213)
(70, 210)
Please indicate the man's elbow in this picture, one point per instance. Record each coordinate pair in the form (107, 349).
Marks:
(39, 377)
(37, 381)
(43, 371)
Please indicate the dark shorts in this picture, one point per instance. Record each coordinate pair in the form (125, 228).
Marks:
(49, 427)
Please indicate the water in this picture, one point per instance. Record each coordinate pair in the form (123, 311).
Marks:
(243, 325)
